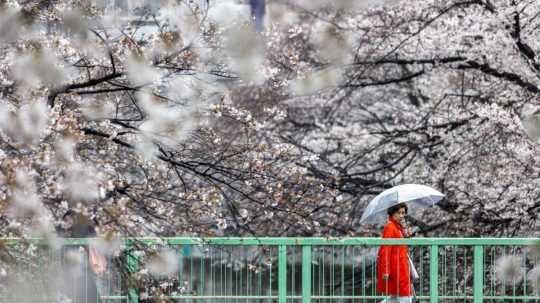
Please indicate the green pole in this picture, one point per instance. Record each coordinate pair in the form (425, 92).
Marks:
(478, 271)
(306, 274)
(133, 267)
(434, 274)
(282, 274)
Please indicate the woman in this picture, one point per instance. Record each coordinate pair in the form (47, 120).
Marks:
(78, 274)
(393, 263)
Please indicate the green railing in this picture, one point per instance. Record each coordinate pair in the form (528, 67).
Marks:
(319, 269)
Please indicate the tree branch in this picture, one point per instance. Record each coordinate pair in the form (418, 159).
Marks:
(67, 88)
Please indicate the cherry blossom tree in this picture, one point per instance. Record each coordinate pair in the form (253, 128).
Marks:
(432, 94)
(126, 128)
(184, 119)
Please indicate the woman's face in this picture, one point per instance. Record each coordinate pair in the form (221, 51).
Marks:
(399, 215)
(68, 222)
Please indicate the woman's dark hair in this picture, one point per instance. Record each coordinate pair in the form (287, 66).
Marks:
(394, 209)
(82, 227)
(69, 213)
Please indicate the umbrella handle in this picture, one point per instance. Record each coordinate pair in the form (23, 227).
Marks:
(410, 231)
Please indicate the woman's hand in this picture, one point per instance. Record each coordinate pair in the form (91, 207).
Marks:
(408, 232)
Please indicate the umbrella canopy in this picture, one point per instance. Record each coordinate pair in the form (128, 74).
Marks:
(414, 195)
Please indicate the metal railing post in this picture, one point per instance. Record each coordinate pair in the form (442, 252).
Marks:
(132, 267)
(282, 274)
(478, 274)
(434, 274)
(306, 274)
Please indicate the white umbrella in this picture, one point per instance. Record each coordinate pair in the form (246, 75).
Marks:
(414, 195)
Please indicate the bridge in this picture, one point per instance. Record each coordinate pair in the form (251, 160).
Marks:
(307, 269)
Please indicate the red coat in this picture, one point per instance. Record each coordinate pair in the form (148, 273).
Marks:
(393, 260)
